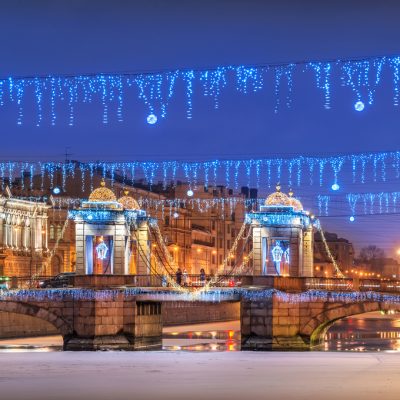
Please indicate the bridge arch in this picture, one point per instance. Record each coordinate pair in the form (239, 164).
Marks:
(317, 326)
(32, 310)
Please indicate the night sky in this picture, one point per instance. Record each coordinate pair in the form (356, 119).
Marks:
(71, 37)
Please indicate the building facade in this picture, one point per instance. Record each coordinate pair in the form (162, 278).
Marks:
(23, 237)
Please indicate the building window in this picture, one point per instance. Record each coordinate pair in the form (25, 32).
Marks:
(213, 258)
(51, 232)
(213, 225)
(228, 244)
(228, 229)
(166, 221)
(220, 259)
(59, 232)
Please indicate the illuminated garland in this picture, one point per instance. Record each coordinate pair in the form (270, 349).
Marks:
(364, 203)
(156, 90)
(261, 172)
(212, 295)
(338, 272)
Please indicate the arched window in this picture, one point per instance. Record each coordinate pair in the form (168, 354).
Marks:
(59, 232)
(52, 232)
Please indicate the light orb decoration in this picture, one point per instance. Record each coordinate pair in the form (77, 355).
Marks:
(190, 193)
(352, 218)
(90, 217)
(151, 119)
(335, 187)
(359, 106)
(56, 190)
(176, 215)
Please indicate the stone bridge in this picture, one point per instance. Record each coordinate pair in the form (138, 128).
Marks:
(276, 313)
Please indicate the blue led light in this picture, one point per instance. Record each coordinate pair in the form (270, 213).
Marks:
(151, 119)
(335, 187)
(359, 106)
(352, 218)
(190, 193)
(56, 190)
(156, 90)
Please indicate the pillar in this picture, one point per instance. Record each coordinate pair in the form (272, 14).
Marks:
(269, 324)
(308, 250)
(116, 323)
(144, 260)
(257, 251)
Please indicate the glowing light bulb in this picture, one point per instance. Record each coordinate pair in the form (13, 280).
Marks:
(352, 218)
(335, 187)
(190, 193)
(151, 119)
(176, 215)
(90, 217)
(56, 190)
(359, 106)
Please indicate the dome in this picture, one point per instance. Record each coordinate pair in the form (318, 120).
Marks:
(277, 198)
(128, 202)
(295, 203)
(102, 194)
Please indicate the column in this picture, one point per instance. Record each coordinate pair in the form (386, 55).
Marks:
(257, 251)
(308, 253)
(143, 267)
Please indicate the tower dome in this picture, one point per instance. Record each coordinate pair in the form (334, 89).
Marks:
(102, 194)
(277, 198)
(295, 203)
(128, 202)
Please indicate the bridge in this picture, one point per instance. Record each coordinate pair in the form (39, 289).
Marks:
(124, 312)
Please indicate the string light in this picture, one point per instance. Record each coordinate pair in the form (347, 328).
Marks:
(365, 167)
(156, 90)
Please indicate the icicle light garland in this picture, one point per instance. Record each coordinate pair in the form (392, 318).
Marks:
(155, 90)
(257, 172)
(364, 203)
(212, 295)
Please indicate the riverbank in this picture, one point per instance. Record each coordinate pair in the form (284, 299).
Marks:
(188, 375)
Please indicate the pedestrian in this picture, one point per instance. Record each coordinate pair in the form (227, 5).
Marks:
(202, 277)
(178, 276)
(185, 277)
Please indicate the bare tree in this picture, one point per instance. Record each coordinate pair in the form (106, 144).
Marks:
(371, 253)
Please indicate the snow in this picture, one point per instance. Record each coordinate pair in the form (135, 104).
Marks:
(192, 376)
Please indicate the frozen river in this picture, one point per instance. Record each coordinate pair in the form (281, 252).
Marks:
(199, 375)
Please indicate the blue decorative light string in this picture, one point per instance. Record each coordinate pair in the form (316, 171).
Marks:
(212, 295)
(155, 90)
(256, 172)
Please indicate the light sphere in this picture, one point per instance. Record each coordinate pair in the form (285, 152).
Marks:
(352, 218)
(359, 106)
(176, 215)
(56, 190)
(190, 193)
(151, 119)
(335, 187)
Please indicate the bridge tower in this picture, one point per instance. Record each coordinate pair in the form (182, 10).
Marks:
(111, 235)
(282, 237)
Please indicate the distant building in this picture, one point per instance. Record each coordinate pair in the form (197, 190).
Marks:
(341, 249)
(23, 237)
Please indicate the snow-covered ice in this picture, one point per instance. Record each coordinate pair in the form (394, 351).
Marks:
(192, 376)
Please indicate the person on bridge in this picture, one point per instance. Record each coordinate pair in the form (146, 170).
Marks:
(178, 276)
(202, 277)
